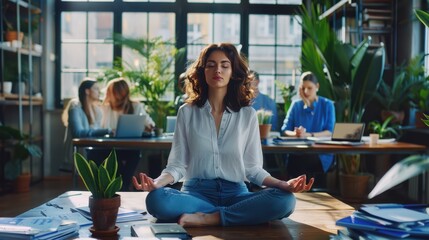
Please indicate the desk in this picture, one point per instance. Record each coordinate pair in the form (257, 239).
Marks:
(164, 143)
(314, 217)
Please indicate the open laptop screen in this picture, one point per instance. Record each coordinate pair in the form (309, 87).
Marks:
(348, 132)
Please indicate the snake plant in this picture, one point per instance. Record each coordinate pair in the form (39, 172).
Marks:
(102, 181)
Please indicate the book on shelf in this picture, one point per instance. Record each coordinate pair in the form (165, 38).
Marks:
(37, 228)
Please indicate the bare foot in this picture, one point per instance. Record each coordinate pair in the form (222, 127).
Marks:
(200, 219)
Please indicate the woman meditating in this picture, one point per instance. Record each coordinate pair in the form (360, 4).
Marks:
(216, 148)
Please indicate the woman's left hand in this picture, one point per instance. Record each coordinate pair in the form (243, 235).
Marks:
(296, 185)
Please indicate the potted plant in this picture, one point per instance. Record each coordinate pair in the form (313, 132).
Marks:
(349, 75)
(11, 31)
(287, 92)
(22, 149)
(394, 99)
(153, 76)
(103, 183)
(384, 129)
(264, 120)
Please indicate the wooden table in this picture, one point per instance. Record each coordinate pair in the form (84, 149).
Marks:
(314, 218)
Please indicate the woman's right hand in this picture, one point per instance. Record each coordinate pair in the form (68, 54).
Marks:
(304, 99)
(146, 183)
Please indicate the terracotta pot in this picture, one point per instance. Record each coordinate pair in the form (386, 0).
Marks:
(104, 212)
(22, 183)
(419, 122)
(398, 116)
(354, 188)
(264, 130)
(10, 36)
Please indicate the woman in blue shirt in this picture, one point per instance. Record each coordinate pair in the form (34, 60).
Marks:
(311, 116)
(216, 148)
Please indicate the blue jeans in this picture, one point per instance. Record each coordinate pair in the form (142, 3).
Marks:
(236, 205)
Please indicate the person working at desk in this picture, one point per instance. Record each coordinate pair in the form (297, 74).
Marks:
(116, 102)
(82, 118)
(311, 116)
(216, 148)
(263, 101)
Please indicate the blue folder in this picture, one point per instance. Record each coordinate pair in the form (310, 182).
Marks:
(395, 220)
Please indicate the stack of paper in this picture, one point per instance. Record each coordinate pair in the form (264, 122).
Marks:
(37, 228)
(124, 215)
(387, 221)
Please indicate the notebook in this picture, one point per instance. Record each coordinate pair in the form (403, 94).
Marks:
(130, 126)
(345, 134)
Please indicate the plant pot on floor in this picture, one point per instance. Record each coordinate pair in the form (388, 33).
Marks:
(22, 183)
(104, 212)
(354, 188)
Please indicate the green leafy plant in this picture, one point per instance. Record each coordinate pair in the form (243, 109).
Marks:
(22, 147)
(422, 16)
(349, 75)
(264, 116)
(384, 129)
(426, 119)
(287, 92)
(102, 181)
(154, 74)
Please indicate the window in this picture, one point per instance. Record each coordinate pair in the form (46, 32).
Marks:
(271, 38)
(274, 54)
(84, 50)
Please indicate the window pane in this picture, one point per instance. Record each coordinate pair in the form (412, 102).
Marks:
(162, 25)
(227, 28)
(134, 24)
(100, 25)
(266, 85)
(261, 59)
(70, 84)
(292, 2)
(261, 29)
(287, 59)
(100, 56)
(289, 31)
(200, 28)
(73, 25)
(214, 1)
(73, 56)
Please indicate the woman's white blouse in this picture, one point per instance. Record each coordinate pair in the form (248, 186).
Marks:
(198, 152)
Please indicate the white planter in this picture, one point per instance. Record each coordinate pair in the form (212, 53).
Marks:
(7, 87)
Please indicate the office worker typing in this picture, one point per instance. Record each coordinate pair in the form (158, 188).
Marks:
(310, 116)
(216, 147)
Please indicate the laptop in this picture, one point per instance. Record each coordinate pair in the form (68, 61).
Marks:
(130, 126)
(349, 134)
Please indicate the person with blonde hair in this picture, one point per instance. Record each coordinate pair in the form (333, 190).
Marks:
(117, 101)
(216, 148)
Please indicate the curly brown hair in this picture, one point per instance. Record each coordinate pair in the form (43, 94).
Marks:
(240, 91)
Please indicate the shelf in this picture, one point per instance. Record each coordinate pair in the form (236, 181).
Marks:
(24, 51)
(34, 9)
(13, 99)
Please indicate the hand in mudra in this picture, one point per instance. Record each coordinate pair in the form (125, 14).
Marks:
(146, 183)
(298, 184)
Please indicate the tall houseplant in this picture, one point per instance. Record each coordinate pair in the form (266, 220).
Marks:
(153, 76)
(349, 75)
(103, 182)
(22, 148)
